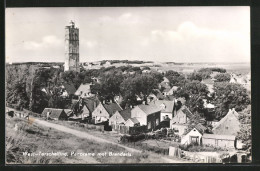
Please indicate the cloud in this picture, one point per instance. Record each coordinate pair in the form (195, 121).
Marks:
(199, 44)
(46, 42)
(123, 19)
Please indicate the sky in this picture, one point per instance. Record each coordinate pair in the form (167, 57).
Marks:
(162, 34)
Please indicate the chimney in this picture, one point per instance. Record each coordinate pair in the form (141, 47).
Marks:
(131, 106)
(233, 109)
(230, 110)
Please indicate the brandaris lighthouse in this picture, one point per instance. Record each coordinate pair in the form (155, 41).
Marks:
(71, 48)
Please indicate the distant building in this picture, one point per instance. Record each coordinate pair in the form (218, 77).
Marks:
(167, 108)
(55, 114)
(182, 116)
(120, 117)
(104, 111)
(148, 115)
(71, 48)
(84, 91)
(193, 137)
(131, 122)
(67, 90)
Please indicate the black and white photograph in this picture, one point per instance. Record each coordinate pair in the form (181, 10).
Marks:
(127, 85)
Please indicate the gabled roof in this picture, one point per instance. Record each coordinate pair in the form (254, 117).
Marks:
(230, 112)
(168, 105)
(69, 88)
(219, 137)
(54, 113)
(200, 128)
(126, 113)
(134, 120)
(85, 88)
(91, 103)
(112, 108)
(186, 111)
(149, 109)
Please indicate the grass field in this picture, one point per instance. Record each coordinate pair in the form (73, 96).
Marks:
(22, 136)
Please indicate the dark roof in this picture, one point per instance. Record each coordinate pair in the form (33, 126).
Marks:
(112, 108)
(149, 109)
(126, 113)
(219, 137)
(200, 128)
(186, 111)
(134, 120)
(91, 103)
(54, 113)
(69, 88)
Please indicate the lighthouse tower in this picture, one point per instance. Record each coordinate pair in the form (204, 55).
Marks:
(71, 48)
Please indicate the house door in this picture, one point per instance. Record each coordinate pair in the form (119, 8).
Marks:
(194, 140)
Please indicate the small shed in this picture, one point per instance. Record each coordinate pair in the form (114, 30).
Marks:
(223, 141)
(193, 137)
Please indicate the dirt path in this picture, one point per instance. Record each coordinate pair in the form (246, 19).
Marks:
(94, 138)
(82, 134)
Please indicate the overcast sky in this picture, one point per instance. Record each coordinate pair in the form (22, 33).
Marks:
(175, 34)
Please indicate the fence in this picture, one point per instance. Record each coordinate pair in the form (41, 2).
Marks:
(128, 130)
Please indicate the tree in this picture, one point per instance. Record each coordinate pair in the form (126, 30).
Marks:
(175, 78)
(245, 128)
(195, 76)
(228, 96)
(194, 92)
(222, 77)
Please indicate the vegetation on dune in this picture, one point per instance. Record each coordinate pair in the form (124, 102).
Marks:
(24, 137)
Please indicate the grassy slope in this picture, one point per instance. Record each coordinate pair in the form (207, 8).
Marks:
(34, 138)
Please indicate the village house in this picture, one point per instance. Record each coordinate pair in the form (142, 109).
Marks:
(165, 84)
(229, 125)
(104, 111)
(148, 115)
(119, 118)
(68, 90)
(167, 108)
(55, 114)
(223, 141)
(84, 91)
(131, 122)
(83, 108)
(182, 116)
(194, 136)
(180, 120)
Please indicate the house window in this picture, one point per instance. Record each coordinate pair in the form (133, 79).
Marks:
(149, 125)
(157, 122)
